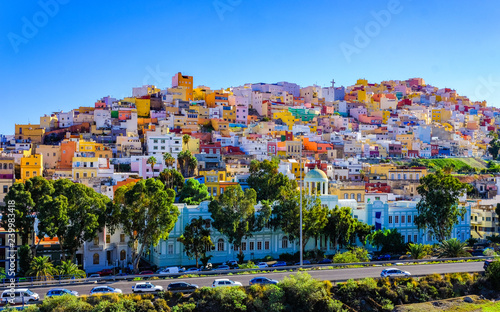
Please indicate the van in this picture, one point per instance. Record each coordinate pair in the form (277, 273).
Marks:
(170, 270)
(18, 296)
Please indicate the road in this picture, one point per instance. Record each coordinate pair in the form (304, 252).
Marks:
(331, 275)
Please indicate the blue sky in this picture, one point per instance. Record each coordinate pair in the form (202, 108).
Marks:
(61, 57)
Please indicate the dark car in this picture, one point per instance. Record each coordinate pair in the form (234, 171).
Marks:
(279, 264)
(181, 286)
(384, 258)
(303, 262)
(263, 281)
(477, 253)
(223, 267)
(60, 291)
(325, 261)
(105, 272)
(487, 264)
(146, 272)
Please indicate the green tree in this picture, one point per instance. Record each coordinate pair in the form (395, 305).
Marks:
(25, 257)
(494, 148)
(42, 268)
(234, 215)
(152, 162)
(23, 211)
(452, 248)
(87, 211)
(168, 159)
(438, 208)
(185, 139)
(286, 215)
(196, 239)
(53, 219)
(471, 241)
(146, 213)
(187, 163)
(416, 251)
(266, 181)
(68, 268)
(362, 231)
(497, 211)
(387, 240)
(352, 256)
(494, 239)
(193, 192)
(341, 226)
(171, 178)
(493, 274)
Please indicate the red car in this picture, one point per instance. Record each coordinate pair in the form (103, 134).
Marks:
(105, 272)
(146, 273)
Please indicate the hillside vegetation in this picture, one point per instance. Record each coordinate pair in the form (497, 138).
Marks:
(457, 163)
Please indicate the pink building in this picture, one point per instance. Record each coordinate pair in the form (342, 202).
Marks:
(139, 164)
(242, 114)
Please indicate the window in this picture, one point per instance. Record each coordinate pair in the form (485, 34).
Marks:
(96, 258)
(402, 219)
(170, 250)
(5, 189)
(415, 237)
(284, 242)
(409, 219)
(243, 246)
(409, 239)
(27, 173)
(359, 197)
(123, 255)
(122, 238)
(252, 245)
(352, 196)
(108, 238)
(346, 196)
(259, 245)
(96, 241)
(266, 245)
(220, 245)
(390, 219)
(396, 219)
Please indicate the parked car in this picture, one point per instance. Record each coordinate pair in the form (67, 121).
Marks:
(487, 264)
(477, 253)
(231, 262)
(325, 261)
(181, 286)
(169, 270)
(54, 292)
(223, 267)
(225, 282)
(193, 269)
(262, 265)
(105, 272)
(105, 290)
(279, 264)
(262, 281)
(394, 272)
(94, 277)
(19, 295)
(146, 287)
(384, 258)
(148, 272)
(303, 262)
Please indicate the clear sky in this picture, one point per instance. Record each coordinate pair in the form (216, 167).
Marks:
(59, 57)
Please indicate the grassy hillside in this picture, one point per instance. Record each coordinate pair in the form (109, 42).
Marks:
(458, 163)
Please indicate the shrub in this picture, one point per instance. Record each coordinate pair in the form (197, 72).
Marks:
(355, 255)
(64, 303)
(145, 306)
(220, 299)
(493, 274)
(185, 307)
(266, 298)
(248, 265)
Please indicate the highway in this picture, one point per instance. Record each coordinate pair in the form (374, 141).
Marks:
(331, 275)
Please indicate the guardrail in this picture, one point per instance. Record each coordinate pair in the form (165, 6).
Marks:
(104, 279)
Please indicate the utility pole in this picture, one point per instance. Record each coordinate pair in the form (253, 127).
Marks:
(301, 171)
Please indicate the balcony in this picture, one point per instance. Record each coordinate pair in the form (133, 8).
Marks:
(95, 247)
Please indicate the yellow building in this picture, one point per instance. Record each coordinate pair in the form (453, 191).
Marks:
(406, 140)
(286, 117)
(178, 93)
(348, 191)
(297, 169)
(229, 114)
(362, 82)
(385, 116)
(440, 115)
(98, 149)
(362, 96)
(184, 82)
(31, 166)
(85, 167)
(220, 125)
(199, 94)
(212, 180)
(193, 145)
(381, 169)
(30, 132)
(143, 107)
(48, 122)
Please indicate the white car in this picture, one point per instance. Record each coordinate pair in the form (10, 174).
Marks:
(225, 282)
(170, 270)
(262, 265)
(105, 290)
(146, 287)
(394, 272)
(19, 295)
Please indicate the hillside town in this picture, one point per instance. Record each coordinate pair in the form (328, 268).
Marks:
(365, 146)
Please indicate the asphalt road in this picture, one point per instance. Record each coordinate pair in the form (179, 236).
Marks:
(331, 275)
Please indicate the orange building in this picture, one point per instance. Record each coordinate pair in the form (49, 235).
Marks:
(184, 82)
(68, 149)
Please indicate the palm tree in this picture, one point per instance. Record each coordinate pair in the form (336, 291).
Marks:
(68, 268)
(169, 160)
(452, 248)
(416, 251)
(152, 161)
(185, 139)
(42, 268)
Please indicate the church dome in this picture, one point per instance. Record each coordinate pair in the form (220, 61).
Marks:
(316, 174)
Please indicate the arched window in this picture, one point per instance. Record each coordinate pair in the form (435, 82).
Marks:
(359, 197)
(220, 245)
(123, 254)
(96, 258)
(346, 196)
(5, 165)
(352, 196)
(284, 242)
(11, 166)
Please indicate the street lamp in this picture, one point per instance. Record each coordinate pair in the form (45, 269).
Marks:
(301, 172)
